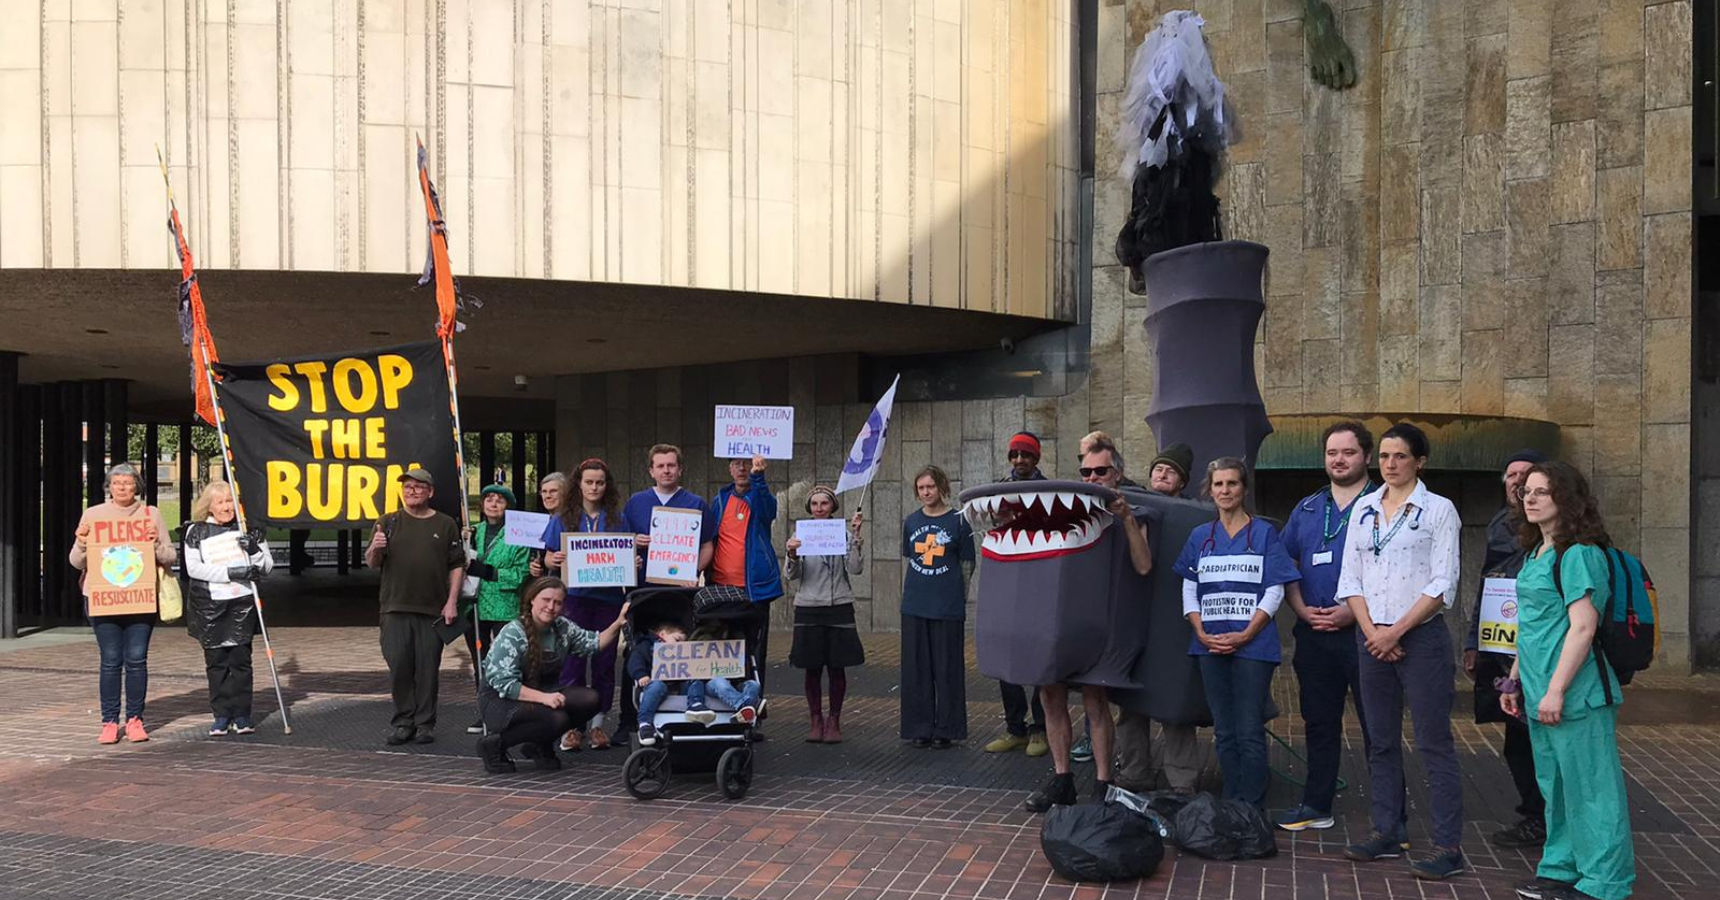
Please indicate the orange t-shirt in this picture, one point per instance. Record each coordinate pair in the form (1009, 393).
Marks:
(729, 562)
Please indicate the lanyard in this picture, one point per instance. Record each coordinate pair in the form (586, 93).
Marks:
(1327, 532)
(1402, 515)
(591, 523)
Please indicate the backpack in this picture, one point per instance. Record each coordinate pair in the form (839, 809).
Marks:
(1626, 639)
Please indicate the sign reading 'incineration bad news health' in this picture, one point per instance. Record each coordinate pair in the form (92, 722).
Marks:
(747, 431)
(321, 441)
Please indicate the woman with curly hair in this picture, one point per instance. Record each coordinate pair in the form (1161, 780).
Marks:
(524, 701)
(1572, 727)
(596, 507)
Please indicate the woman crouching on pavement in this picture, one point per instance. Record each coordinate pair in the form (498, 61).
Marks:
(523, 701)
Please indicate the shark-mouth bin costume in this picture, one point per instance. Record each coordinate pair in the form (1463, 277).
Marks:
(1060, 603)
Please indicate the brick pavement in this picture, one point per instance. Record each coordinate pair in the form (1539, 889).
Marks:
(330, 812)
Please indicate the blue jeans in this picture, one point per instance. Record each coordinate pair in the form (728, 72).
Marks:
(1236, 692)
(124, 645)
(653, 694)
(725, 691)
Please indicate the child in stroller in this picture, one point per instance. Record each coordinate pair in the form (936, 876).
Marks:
(682, 729)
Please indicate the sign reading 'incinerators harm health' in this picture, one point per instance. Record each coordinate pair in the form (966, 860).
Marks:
(747, 431)
(673, 556)
(598, 560)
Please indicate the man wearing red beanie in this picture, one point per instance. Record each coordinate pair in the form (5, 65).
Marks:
(1024, 454)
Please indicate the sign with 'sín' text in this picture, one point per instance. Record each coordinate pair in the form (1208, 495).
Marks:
(747, 431)
(701, 660)
(119, 574)
(673, 555)
(1498, 616)
(323, 441)
(598, 560)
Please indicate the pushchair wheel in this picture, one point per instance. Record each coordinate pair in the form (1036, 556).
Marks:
(735, 772)
(647, 772)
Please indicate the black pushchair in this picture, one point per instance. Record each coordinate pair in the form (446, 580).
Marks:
(726, 744)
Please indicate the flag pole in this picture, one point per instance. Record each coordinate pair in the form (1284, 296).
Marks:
(202, 353)
(439, 270)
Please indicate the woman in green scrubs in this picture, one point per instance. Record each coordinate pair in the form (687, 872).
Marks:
(1588, 853)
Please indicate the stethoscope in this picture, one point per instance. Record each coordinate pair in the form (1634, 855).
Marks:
(1211, 542)
(1327, 532)
(1372, 512)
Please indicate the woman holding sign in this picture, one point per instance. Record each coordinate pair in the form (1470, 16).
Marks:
(1572, 726)
(123, 638)
(1234, 572)
(597, 511)
(824, 632)
(524, 700)
(222, 565)
(500, 568)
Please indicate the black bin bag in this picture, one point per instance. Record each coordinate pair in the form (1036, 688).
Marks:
(1100, 842)
(1224, 829)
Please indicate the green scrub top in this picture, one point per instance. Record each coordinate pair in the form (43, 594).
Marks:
(1543, 621)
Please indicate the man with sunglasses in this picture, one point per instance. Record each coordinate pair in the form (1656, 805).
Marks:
(1024, 453)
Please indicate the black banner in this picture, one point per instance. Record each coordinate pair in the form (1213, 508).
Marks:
(320, 441)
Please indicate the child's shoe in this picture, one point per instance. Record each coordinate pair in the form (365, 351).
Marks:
(647, 735)
(746, 715)
(701, 714)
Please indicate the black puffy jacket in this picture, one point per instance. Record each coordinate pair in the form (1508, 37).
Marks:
(217, 622)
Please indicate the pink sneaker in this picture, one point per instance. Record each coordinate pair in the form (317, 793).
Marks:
(110, 733)
(134, 730)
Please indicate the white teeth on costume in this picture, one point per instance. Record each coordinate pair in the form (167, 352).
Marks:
(1067, 498)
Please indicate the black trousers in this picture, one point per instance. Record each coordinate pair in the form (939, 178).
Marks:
(523, 722)
(756, 629)
(934, 680)
(1015, 709)
(414, 654)
(229, 670)
(1327, 668)
(1520, 759)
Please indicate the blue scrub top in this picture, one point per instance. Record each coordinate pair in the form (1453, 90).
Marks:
(1232, 574)
(1319, 559)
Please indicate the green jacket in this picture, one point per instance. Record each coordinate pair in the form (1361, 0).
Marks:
(499, 600)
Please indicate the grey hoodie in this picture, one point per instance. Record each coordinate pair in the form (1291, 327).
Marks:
(823, 580)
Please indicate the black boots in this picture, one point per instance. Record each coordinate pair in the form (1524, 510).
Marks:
(494, 755)
(1058, 791)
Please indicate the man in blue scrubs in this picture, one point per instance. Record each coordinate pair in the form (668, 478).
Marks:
(1325, 661)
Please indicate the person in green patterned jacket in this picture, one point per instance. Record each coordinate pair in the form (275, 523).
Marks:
(522, 700)
(501, 568)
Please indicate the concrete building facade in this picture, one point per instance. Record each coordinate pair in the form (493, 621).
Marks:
(789, 201)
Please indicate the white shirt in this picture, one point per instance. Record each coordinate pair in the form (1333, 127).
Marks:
(1418, 558)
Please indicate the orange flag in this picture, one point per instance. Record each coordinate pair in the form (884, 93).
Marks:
(193, 323)
(436, 267)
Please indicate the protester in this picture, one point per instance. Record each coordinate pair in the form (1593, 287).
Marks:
(123, 641)
(1168, 472)
(652, 693)
(598, 510)
(1024, 454)
(553, 489)
(1327, 671)
(1502, 560)
(501, 569)
(523, 700)
(1588, 853)
(222, 566)
(1399, 575)
(825, 637)
(423, 561)
(1234, 572)
(1180, 754)
(664, 463)
(744, 558)
(1102, 465)
(938, 545)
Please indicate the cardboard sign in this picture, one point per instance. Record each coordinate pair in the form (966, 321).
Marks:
(673, 557)
(747, 431)
(598, 560)
(120, 572)
(701, 660)
(224, 550)
(822, 537)
(1499, 616)
(524, 529)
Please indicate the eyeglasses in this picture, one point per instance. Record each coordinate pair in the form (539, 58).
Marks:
(1538, 493)
(1021, 454)
(415, 486)
(1100, 471)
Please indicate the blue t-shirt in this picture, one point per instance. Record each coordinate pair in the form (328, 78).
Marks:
(587, 525)
(935, 548)
(1314, 538)
(637, 513)
(1231, 575)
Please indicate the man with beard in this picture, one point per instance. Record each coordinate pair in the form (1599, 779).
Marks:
(1325, 661)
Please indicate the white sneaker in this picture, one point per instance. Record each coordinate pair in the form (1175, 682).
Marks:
(701, 716)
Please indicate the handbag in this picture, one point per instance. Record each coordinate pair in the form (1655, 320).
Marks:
(169, 601)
